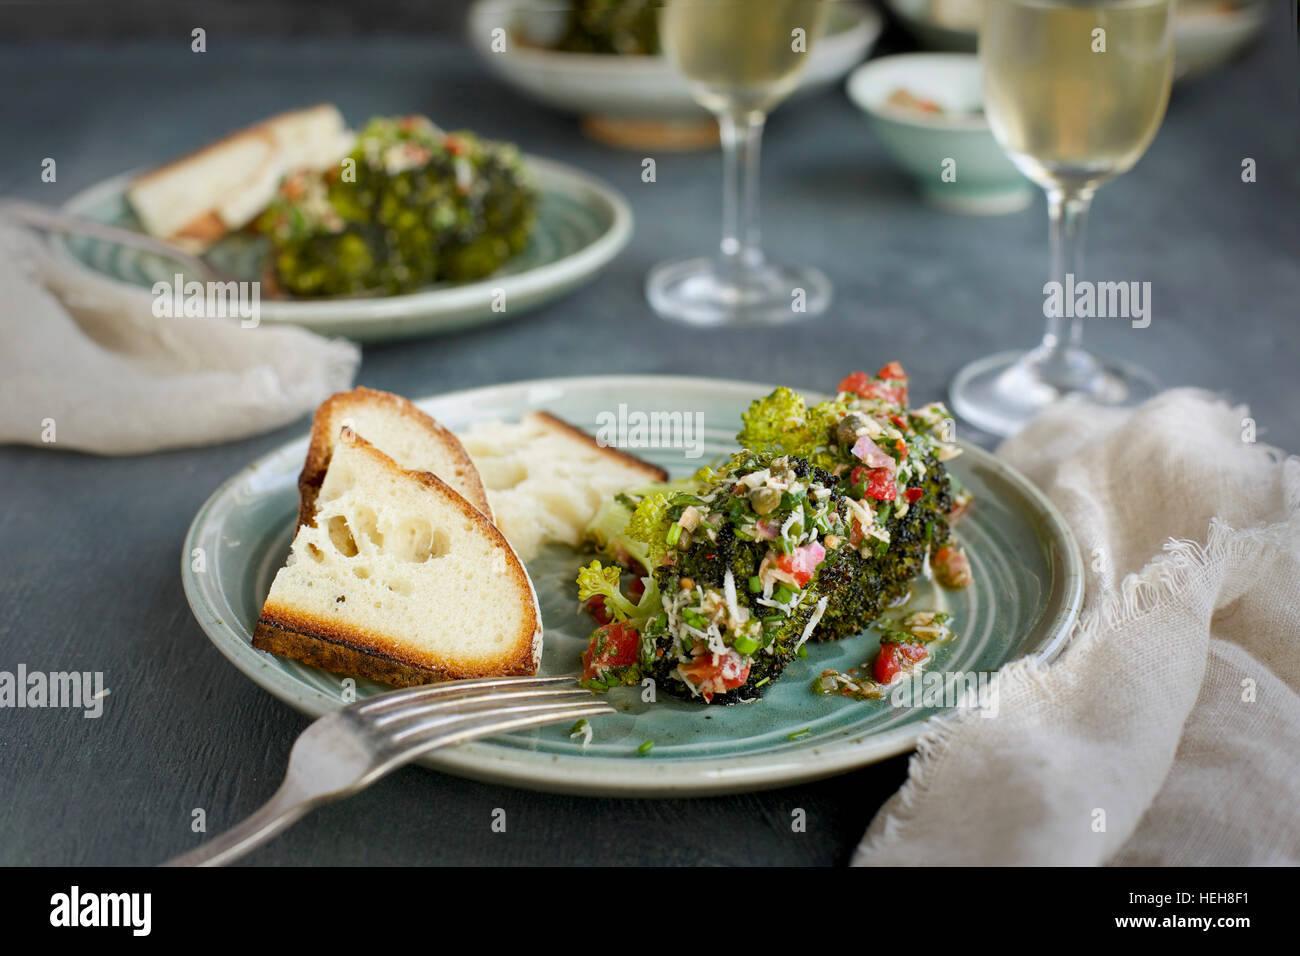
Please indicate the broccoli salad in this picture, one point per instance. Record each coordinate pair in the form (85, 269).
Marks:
(411, 205)
(711, 585)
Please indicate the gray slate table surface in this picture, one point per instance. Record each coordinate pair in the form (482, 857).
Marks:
(91, 547)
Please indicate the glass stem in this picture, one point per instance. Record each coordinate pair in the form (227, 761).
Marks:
(741, 135)
(1062, 364)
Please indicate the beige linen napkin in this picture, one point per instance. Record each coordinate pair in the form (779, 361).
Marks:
(1168, 732)
(87, 363)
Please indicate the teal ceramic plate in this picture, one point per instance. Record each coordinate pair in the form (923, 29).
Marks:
(581, 225)
(1028, 586)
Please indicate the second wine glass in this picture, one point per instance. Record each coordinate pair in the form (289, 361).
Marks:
(741, 58)
(1075, 91)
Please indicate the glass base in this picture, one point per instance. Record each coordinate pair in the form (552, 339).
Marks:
(706, 292)
(1001, 393)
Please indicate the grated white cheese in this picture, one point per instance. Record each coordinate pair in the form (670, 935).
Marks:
(714, 637)
(813, 622)
(729, 592)
(787, 609)
(582, 730)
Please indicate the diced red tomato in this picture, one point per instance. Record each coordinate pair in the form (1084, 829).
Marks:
(854, 382)
(914, 652)
(899, 422)
(711, 674)
(887, 665)
(889, 384)
(951, 567)
(881, 485)
(914, 495)
(802, 561)
(893, 394)
(453, 145)
(879, 481)
(614, 645)
(892, 370)
(893, 659)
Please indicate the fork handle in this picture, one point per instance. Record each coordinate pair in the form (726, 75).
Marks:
(282, 811)
(59, 221)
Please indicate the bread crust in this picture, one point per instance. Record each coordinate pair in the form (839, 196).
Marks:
(555, 423)
(315, 642)
(259, 130)
(360, 653)
(207, 226)
(324, 435)
(204, 230)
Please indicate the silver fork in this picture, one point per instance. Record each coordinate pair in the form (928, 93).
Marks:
(349, 749)
(59, 221)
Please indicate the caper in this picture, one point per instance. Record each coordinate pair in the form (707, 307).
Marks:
(849, 427)
(764, 500)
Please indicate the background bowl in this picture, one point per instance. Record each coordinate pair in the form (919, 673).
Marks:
(986, 182)
(627, 94)
(1207, 33)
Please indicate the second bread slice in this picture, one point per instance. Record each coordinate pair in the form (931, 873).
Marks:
(400, 580)
(397, 428)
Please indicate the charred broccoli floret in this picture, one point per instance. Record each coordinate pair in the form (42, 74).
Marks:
(411, 205)
(737, 581)
(813, 530)
(626, 27)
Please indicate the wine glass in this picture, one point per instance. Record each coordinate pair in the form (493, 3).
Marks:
(741, 58)
(1074, 91)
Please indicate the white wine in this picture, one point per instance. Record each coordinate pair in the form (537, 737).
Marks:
(740, 55)
(1074, 107)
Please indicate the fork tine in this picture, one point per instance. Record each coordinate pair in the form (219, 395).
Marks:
(450, 689)
(433, 722)
(457, 729)
(391, 721)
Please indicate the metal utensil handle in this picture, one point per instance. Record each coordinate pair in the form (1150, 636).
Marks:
(279, 813)
(55, 220)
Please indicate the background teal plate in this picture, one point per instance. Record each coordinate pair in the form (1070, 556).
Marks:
(581, 225)
(1027, 591)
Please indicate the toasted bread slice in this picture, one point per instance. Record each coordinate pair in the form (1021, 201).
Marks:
(545, 478)
(201, 197)
(397, 428)
(400, 580)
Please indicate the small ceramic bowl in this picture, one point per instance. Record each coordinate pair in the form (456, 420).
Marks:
(979, 179)
(637, 100)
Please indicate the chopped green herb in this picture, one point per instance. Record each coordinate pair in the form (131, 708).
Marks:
(695, 619)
